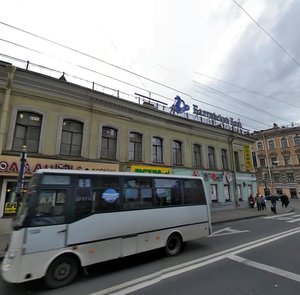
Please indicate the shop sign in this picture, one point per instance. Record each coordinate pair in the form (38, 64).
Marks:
(11, 208)
(248, 159)
(10, 165)
(214, 176)
(150, 169)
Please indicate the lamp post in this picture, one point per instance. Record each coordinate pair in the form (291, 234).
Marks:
(20, 181)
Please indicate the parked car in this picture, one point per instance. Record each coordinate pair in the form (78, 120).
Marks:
(278, 197)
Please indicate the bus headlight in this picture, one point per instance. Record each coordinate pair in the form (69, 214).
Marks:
(12, 254)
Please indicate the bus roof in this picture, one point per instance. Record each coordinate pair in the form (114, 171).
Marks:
(93, 172)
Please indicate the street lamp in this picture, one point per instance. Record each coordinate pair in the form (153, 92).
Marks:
(20, 181)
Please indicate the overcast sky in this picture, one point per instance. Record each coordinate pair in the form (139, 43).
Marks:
(240, 59)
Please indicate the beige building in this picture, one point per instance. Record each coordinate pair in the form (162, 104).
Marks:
(277, 158)
(67, 126)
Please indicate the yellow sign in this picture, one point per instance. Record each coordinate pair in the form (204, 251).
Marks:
(11, 208)
(150, 169)
(248, 158)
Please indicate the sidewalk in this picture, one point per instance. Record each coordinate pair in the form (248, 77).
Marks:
(218, 216)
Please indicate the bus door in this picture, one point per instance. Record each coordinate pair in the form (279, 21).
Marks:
(47, 228)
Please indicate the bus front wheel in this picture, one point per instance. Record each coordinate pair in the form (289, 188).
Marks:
(174, 245)
(62, 271)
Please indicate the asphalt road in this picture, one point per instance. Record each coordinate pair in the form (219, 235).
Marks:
(254, 256)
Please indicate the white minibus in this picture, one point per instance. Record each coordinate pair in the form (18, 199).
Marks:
(72, 218)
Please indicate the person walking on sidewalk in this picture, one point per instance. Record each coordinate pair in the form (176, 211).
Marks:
(257, 201)
(251, 201)
(284, 201)
(273, 202)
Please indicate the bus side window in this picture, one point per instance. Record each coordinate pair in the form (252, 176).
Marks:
(83, 202)
(193, 192)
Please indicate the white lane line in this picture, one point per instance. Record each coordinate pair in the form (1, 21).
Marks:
(265, 267)
(156, 277)
(227, 231)
(278, 215)
(294, 220)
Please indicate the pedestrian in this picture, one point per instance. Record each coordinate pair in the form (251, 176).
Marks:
(273, 202)
(262, 200)
(251, 201)
(284, 201)
(257, 201)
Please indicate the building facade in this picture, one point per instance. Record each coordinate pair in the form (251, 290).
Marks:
(67, 126)
(276, 156)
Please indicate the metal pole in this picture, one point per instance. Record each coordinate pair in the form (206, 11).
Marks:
(20, 181)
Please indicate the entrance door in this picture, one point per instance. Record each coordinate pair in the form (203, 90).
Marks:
(45, 238)
(47, 229)
(293, 193)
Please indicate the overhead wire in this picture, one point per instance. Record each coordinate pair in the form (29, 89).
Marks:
(110, 64)
(240, 101)
(277, 43)
(251, 91)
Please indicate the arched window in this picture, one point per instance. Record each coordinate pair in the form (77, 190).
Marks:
(297, 140)
(271, 144)
(109, 143)
(157, 150)
(211, 157)
(196, 155)
(284, 143)
(27, 131)
(260, 146)
(71, 138)
(177, 153)
(135, 147)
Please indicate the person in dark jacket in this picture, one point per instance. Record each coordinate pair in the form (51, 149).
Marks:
(273, 202)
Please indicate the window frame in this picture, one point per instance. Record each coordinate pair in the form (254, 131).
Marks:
(177, 152)
(211, 153)
(73, 136)
(197, 159)
(110, 141)
(135, 148)
(27, 135)
(157, 150)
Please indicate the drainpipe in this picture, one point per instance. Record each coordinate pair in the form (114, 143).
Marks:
(5, 108)
(233, 168)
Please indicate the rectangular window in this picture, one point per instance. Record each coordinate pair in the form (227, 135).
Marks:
(224, 159)
(287, 160)
(193, 192)
(262, 162)
(214, 193)
(177, 153)
(135, 147)
(196, 155)
(227, 192)
(211, 157)
(276, 177)
(157, 150)
(109, 143)
(290, 177)
(237, 161)
(239, 192)
(27, 132)
(71, 138)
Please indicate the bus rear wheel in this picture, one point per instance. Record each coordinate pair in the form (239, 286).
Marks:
(174, 245)
(62, 271)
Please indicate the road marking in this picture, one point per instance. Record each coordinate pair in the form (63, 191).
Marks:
(294, 220)
(278, 216)
(154, 278)
(227, 231)
(265, 267)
